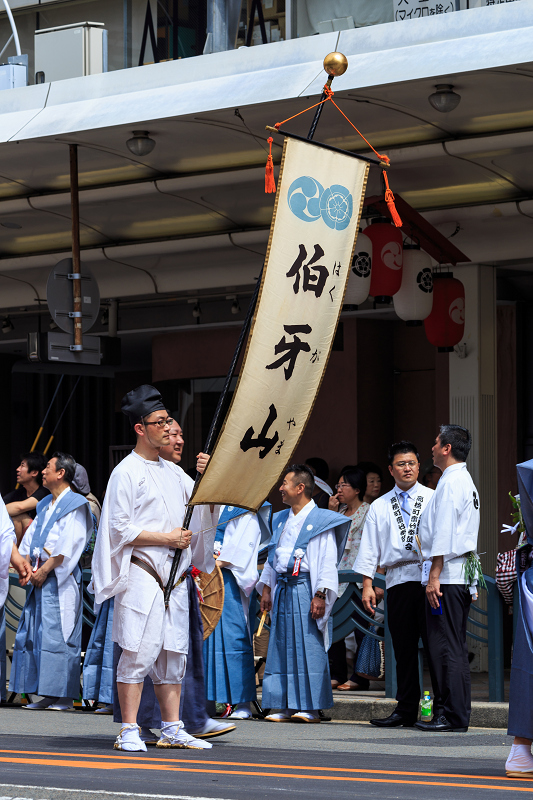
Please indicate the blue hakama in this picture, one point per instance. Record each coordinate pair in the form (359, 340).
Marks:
(3, 661)
(98, 664)
(520, 721)
(43, 663)
(297, 669)
(228, 652)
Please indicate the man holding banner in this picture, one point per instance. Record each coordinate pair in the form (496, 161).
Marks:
(299, 585)
(140, 529)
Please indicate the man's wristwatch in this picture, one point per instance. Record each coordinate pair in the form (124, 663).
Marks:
(321, 593)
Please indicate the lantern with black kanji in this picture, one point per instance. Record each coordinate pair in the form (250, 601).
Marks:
(358, 287)
(445, 326)
(414, 301)
(387, 259)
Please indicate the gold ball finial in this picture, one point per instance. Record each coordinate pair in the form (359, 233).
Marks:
(335, 64)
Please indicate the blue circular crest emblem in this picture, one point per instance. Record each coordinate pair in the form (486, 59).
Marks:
(336, 207)
(308, 200)
(304, 198)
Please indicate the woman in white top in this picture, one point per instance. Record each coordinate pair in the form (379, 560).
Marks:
(348, 500)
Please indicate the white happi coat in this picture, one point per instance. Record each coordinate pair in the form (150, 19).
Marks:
(7, 540)
(240, 548)
(320, 561)
(381, 542)
(150, 496)
(67, 537)
(451, 524)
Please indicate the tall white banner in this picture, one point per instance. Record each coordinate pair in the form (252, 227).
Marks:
(314, 229)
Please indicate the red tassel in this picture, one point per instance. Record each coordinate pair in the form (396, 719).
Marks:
(389, 199)
(270, 183)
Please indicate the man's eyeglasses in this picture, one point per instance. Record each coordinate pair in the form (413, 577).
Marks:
(403, 464)
(161, 423)
(341, 485)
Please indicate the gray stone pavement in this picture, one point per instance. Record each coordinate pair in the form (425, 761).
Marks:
(335, 736)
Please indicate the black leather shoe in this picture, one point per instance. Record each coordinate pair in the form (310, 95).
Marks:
(394, 720)
(439, 725)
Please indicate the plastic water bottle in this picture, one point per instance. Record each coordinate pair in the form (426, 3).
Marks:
(426, 708)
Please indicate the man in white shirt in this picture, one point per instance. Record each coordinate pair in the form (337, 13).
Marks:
(448, 535)
(140, 529)
(47, 650)
(389, 541)
(299, 585)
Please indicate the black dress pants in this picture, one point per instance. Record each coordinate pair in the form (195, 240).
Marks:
(406, 612)
(447, 645)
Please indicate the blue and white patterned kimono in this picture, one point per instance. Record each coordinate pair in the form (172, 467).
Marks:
(297, 670)
(47, 651)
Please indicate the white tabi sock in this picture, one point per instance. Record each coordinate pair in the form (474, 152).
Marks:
(44, 703)
(62, 704)
(308, 714)
(170, 728)
(173, 734)
(520, 758)
(241, 711)
(129, 739)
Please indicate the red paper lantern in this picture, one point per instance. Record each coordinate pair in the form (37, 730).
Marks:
(445, 326)
(387, 259)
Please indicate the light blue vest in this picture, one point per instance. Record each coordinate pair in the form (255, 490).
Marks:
(231, 512)
(317, 521)
(70, 502)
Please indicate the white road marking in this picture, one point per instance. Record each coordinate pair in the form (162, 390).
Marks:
(94, 792)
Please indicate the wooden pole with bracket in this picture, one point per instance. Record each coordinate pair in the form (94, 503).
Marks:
(76, 266)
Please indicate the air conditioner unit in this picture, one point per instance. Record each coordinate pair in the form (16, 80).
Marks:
(70, 51)
(14, 73)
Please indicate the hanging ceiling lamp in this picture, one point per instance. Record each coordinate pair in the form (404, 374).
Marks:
(444, 99)
(445, 326)
(387, 259)
(414, 301)
(358, 287)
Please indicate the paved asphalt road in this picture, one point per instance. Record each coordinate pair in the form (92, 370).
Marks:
(47, 755)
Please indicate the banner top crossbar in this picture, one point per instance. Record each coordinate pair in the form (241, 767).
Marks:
(368, 159)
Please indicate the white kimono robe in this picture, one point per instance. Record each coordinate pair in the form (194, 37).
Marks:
(320, 561)
(450, 525)
(151, 496)
(7, 540)
(381, 542)
(67, 538)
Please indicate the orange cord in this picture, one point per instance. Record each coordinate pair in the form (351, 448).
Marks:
(270, 183)
(389, 199)
(389, 196)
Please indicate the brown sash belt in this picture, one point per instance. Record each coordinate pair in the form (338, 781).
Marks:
(151, 571)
